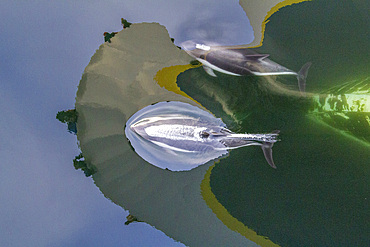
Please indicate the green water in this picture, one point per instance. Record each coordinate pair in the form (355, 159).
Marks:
(319, 195)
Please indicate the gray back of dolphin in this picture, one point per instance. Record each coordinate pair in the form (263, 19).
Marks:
(243, 61)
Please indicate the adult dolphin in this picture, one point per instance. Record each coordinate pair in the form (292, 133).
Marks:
(179, 137)
(239, 61)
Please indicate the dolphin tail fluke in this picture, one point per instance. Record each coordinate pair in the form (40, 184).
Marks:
(302, 75)
(267, 151)
(266, 141)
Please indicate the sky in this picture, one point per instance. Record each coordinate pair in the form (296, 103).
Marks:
(45, 46)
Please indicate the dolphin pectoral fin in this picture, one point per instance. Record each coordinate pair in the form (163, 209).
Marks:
(302, 76)
(209, 71)
(267, 151)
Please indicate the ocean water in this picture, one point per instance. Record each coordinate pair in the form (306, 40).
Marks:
(319, 193)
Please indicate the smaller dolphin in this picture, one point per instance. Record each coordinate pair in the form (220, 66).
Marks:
(239, 61)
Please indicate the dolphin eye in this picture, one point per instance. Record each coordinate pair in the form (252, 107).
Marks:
(204, 134)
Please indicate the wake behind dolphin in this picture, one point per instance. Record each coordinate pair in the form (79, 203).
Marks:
(239, 61)
(178, 136)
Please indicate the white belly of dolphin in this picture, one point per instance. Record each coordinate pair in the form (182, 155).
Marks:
(209, 65)
(273, 73)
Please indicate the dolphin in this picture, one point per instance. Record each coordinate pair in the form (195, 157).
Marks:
(176, 132)
(240, 61)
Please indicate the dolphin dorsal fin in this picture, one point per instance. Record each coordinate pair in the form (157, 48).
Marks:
(256, 56)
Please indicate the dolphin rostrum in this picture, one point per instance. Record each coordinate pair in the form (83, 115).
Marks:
(239, 61)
